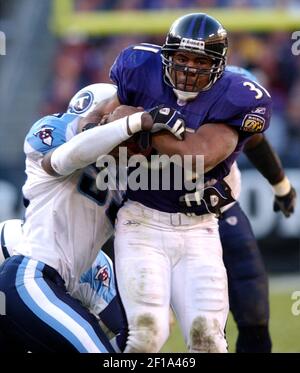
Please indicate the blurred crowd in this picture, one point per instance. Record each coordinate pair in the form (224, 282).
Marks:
(82, 61)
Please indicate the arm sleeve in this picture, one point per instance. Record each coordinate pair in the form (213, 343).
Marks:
(86, 147)
(267, 162)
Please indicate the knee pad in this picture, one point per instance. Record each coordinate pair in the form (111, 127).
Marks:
(254, 339)
(146, 334)
(206, 335)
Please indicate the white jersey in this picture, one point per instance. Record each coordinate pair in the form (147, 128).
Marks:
(10, 236)
(234, 180)
(67, 219)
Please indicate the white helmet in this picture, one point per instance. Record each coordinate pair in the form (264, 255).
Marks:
(85, 100)
(10, 236)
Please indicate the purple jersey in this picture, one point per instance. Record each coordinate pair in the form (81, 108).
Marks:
(233, 99)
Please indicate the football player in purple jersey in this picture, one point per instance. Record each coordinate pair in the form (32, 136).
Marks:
(163, 255)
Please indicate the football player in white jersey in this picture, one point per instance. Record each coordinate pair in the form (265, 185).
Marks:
(66, 222)
(96, 291)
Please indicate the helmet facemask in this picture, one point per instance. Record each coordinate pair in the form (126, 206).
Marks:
(171, 70)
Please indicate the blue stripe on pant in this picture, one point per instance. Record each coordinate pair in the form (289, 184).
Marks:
(41, 312)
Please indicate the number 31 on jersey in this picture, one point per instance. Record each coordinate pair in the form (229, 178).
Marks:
(259, 93)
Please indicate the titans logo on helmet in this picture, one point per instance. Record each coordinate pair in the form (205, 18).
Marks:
(45, 134)
(81, 103)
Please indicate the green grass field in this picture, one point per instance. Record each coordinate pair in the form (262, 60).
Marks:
(284, 326)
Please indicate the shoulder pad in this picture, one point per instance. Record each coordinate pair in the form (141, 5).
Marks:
(247, 104)
(132, 64)
(50, 132)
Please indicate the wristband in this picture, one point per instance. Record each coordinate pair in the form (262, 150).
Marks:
(134, 123)
(282, 188)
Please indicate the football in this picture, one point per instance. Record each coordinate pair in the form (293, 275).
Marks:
(139, 143)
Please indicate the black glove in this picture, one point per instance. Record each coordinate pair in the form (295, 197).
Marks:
(167, 118)
(213, 199)
(286, 204)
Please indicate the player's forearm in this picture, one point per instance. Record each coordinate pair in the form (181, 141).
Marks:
(264, 158)
(86, 147)
(206, 142)
(166, 143)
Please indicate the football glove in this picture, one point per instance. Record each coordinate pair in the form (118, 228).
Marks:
(286, 204)
(209, 200)
(167, 118)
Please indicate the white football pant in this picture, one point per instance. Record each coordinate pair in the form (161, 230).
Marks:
(164, 258)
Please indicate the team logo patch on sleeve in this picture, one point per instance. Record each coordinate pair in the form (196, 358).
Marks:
(253, 123)
(45, 134)
(102, 275)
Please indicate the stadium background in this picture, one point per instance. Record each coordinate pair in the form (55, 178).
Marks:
(53, 48)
